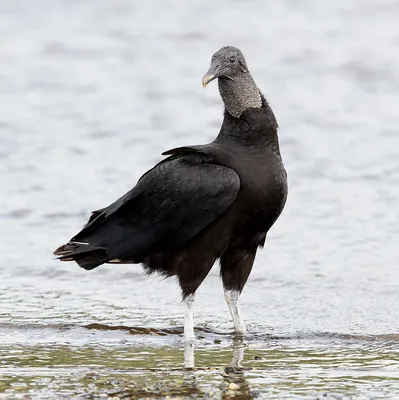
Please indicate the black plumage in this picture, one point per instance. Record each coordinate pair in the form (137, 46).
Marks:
(201, 203)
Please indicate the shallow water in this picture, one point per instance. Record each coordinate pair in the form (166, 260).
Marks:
(92, 92)
(273, 368)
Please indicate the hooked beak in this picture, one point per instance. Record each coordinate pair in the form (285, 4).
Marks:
(212, 74)
(206, 79)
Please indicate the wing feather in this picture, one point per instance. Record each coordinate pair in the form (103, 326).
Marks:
(170, 204)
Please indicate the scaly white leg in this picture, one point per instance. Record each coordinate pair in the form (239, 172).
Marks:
(188, 319)
(189, 338)
(231, 297)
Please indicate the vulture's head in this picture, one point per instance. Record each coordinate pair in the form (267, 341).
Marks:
(236, 86)
(227, 63)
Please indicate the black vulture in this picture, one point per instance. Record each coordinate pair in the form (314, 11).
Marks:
(202, 203)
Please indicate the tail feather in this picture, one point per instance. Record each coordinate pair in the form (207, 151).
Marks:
(73, 248)
(87, 256)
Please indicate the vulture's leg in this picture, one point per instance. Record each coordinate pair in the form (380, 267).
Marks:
(188, 318)
(236, 265)
(190, 279)
(231, 297)
(189, 338)
(191, 275)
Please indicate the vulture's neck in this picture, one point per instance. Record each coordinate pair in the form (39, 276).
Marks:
(239, 94)
(248, 118)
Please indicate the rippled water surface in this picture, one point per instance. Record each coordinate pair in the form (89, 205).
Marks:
(91, 93)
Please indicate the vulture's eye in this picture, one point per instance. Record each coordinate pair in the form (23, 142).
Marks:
(232, 60)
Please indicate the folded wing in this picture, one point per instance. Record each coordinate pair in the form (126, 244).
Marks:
(170, 204)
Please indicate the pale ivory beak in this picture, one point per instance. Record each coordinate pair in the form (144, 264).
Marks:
(206, 79)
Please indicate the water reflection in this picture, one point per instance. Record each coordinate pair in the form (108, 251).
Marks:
(235, 385)
(238, 349)
(237, 368)
(189, 354)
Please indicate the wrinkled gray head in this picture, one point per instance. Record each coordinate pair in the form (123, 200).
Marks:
(226, 63)
(236, 86)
